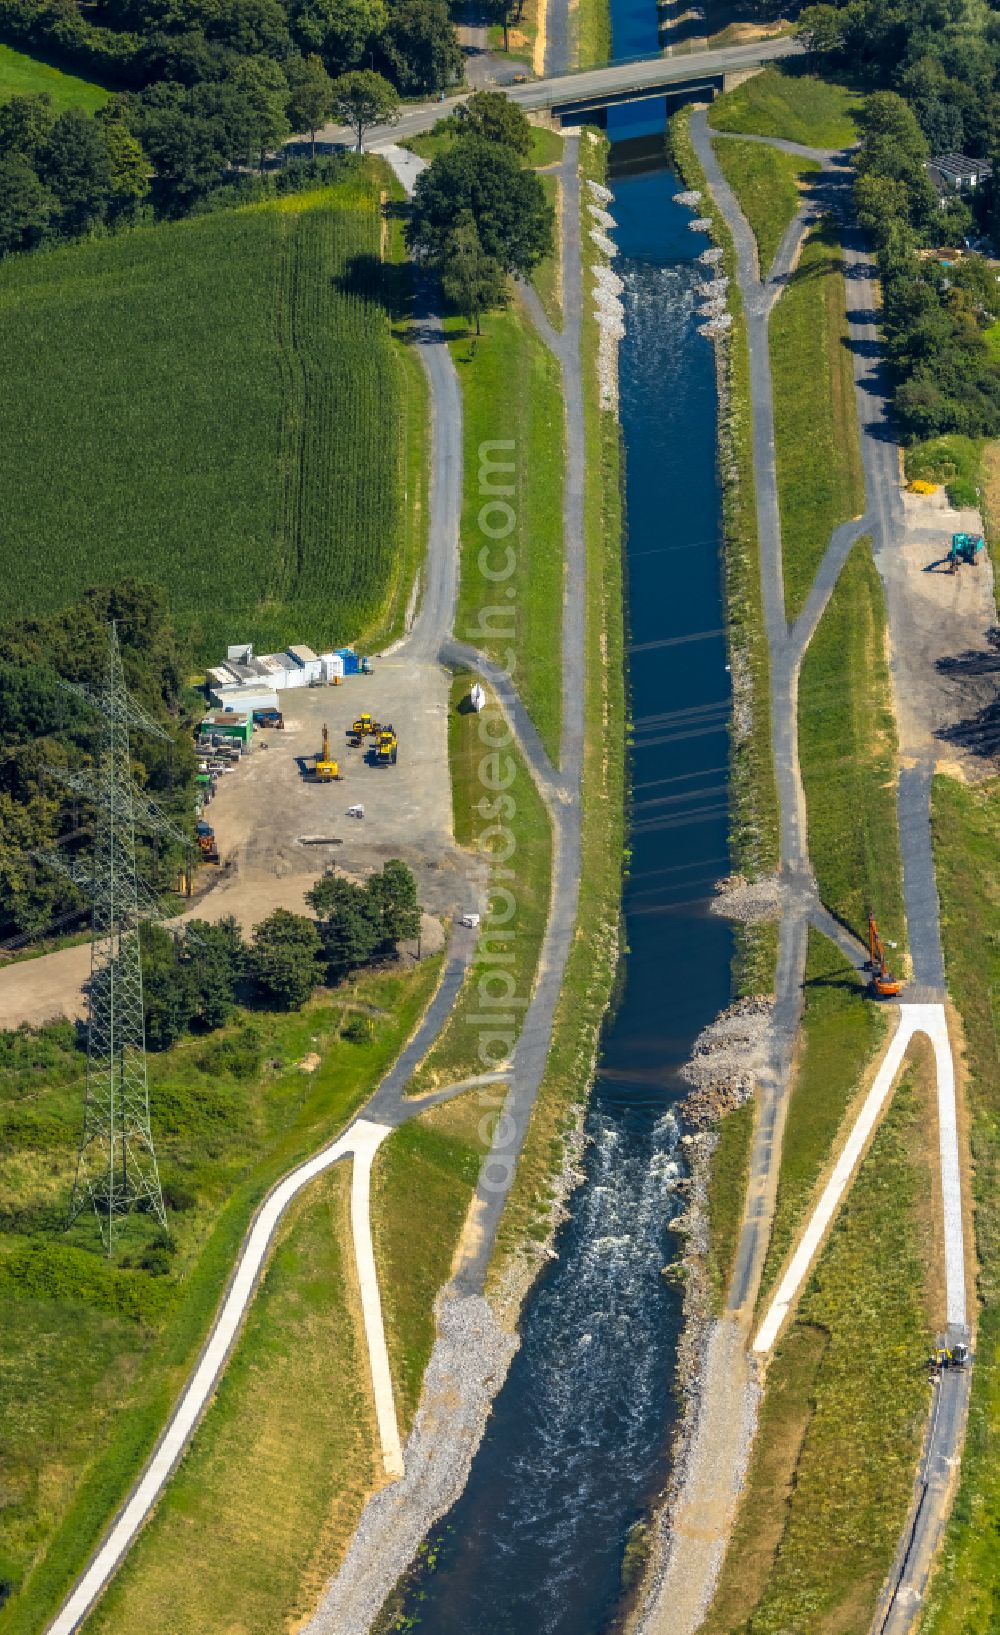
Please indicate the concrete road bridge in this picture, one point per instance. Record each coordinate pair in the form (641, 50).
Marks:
(586, 94)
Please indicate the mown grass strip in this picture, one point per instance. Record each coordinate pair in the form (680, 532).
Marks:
(590, 971)
(263, 1505)
(422, 1184)
(799, 107)
(847, 753)
(964, 1596)
(820, 477)
(492, 790)
(511, 534)
(769, 186)
(547, 276)
(841, 1031)
(842, 1421)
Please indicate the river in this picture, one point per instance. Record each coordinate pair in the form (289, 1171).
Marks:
(578, 1444)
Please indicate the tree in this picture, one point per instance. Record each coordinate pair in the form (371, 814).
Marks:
(339, 30)
(311, 98)
(472, 280)
(492, 116)
(362, 922)
(26, 206)
(821, 28)
(167, 990)
(25, 123)
(363, 99)
(258, 107)
(512, 216)
(187, 154)
(129, 168)
(216, 957)
(422, 47)
(285, 959)
(391, 904)
(74, 164)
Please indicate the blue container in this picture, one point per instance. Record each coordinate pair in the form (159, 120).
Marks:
(352, 663)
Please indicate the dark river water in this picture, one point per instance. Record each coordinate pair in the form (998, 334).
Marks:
(577, 1445)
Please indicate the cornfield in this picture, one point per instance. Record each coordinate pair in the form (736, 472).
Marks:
(215, 405)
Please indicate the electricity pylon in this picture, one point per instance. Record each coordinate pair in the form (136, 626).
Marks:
(116, 1168)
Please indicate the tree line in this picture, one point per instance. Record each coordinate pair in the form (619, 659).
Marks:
(46, 729)
(933, 70)
(194, 978)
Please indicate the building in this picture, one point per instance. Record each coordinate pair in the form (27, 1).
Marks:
(234, 724)
(249, 682)
(956, 173)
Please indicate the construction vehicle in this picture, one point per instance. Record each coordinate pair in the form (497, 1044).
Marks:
(268, 718)
(884, 984)
(386, 746)
(964, 548)
(325, 768)
(943, 1356)
(209, 850)
(364, 727)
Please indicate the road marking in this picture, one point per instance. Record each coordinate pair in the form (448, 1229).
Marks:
(913, 1019)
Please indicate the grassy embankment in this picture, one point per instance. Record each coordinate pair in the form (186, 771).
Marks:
(197, 456)
(513, 414)
(425, 1173)
(797, 107)
(265, 1501)
(93, 1354)
(842, 1030)
(21, 75)
(953, 460)
(820, 477)
(847, 752)
(769, 185)
(842, 1421)
(592, 961)
(455, 1054)
(964, 1596)
(754, 833)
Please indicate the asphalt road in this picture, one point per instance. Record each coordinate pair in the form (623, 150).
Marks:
(538, 96)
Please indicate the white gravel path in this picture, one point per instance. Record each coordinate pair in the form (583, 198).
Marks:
(913, 1019)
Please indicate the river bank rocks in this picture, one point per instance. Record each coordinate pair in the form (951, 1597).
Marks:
(468, 1365)
(726, 1060)
(690, 198)
(750, 901)
(607, 292)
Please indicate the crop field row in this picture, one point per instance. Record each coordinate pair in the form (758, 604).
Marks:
(216, 405)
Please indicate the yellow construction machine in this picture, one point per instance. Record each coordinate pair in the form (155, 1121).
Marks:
(325, 767)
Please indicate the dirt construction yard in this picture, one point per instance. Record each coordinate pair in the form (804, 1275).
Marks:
(278, 830)
(948, 616)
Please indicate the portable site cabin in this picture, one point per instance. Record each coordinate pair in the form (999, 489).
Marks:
(234, 724)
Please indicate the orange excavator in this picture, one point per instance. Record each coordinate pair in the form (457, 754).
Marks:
(884, 984)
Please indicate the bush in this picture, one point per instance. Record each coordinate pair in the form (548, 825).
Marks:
(360, 1030)
(963, 494)
(239, 1054)
(179, 1197)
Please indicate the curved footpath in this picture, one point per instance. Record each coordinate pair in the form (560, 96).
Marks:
(700, 1521)
(472, 1352)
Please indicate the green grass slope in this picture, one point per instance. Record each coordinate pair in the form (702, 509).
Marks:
(769, 185)
(218, 400)
(24, 76)
(799, 107)
(93, 1354)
